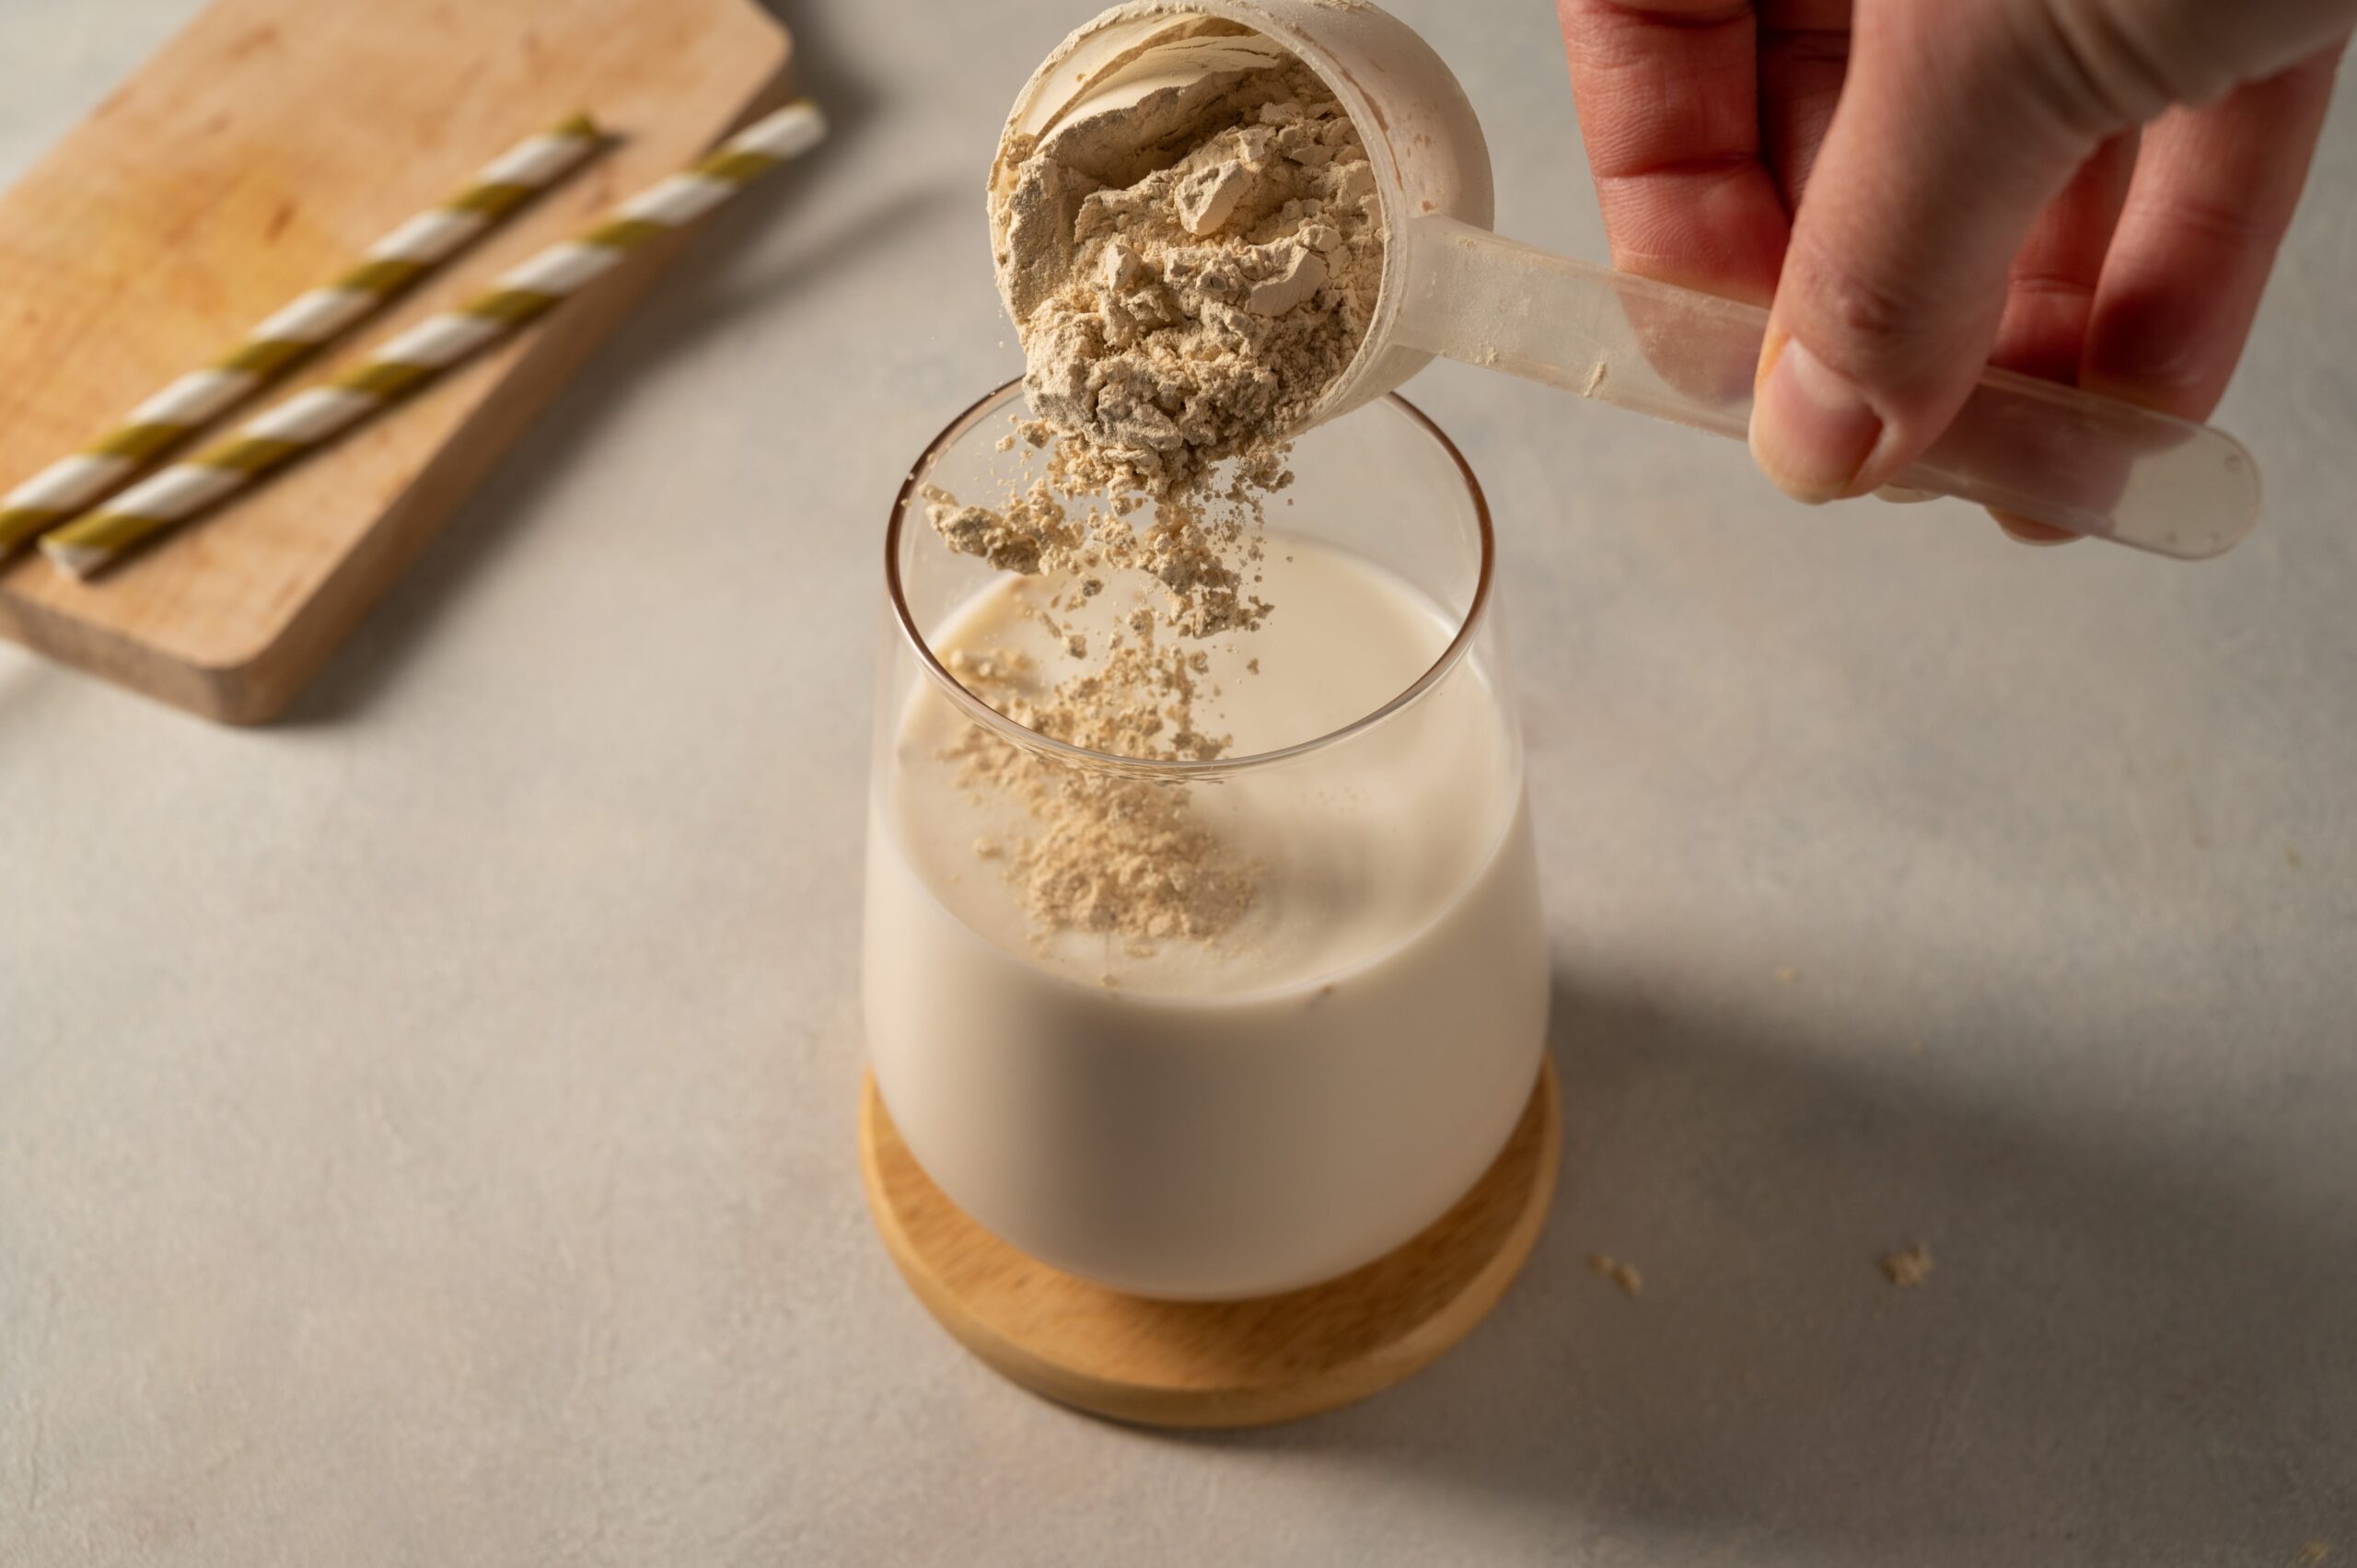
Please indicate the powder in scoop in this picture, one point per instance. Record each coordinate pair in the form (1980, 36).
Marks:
(1189, 273)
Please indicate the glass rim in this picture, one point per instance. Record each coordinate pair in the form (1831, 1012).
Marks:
(1467, 625)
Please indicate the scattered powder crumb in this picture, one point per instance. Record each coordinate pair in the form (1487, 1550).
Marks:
(2291, 857)
(1786, 974)
(1908, 1268)
(1625, 1275)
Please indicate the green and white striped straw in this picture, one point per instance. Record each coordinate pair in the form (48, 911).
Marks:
(417, 356)
(72, 486)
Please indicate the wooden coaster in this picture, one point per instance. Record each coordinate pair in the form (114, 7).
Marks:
(1214, 1364)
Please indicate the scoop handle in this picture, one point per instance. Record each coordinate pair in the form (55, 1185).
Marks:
(2092, 465)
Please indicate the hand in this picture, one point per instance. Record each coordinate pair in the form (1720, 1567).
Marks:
(2089, 191)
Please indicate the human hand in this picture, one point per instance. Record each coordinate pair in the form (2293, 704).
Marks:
(2088, 191)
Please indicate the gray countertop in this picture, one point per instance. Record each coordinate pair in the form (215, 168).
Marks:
(426, 1126)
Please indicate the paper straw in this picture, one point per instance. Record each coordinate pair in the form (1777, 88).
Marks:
(74, 484)
(417, 356)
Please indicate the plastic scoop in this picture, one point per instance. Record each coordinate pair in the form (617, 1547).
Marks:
(2092, 465)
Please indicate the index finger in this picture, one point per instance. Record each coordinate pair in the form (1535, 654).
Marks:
(1668, 96)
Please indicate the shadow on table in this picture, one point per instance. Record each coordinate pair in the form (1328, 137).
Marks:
(28, 682)
(2114, 1359)
(685, 308)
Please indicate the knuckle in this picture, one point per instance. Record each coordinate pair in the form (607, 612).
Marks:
(2228, 226)
(2050, 283)
(1869, 315)
(2099, 67)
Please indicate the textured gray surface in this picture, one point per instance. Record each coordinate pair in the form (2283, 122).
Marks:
(426, 1126)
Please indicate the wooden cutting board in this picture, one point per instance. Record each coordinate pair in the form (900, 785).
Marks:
(260, 152)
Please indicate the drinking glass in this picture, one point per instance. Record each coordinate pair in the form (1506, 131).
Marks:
(1222, 1119)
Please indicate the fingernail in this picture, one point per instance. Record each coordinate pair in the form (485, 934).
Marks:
(1811, 431)
(2023, 531)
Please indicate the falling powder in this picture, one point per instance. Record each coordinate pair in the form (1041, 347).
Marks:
(1189, 274)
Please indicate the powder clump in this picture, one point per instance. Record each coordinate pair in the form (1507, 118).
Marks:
(1189, 275)
(1625, 1275)
(1908, 1267)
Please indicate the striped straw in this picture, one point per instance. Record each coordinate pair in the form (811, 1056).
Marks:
(417, 356)
(73, 484)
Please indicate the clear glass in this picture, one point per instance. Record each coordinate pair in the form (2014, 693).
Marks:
(1229, 1117)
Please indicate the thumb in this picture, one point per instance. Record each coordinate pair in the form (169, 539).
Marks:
(1956, 125)
(1938, 160)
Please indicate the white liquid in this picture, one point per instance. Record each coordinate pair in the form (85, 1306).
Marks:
(1292, 1099)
